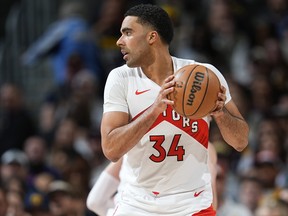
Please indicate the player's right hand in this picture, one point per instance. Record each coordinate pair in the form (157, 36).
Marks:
(162, 100)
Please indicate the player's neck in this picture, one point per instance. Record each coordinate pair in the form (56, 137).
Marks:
(161, 68)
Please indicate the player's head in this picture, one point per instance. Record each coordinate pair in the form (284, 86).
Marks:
(156, 17)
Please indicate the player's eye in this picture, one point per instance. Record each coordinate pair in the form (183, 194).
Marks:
(128, 33)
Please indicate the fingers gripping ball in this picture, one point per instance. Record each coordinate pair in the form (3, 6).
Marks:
(196, 90)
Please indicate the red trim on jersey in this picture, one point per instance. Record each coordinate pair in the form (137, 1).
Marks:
(206, 212)
(185, 124)
(139, 114)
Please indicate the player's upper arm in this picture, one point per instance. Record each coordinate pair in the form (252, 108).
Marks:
(110, 122)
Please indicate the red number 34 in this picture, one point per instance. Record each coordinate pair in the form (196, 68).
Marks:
(174, 149)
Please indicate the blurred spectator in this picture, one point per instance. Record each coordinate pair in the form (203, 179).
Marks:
(250, 192)
(16, 204)
(84, 95)
(16, 123)
(98, 161)
(280, 113)
(277, 66)
(78, 175)
(75, 172)
(267, 162)
(230, 45)
(227, 206)
(77, 99)
(192, 42)
(62, 148)
(79, 205)
(268, 147)
(36, 150)
(65, 135)
(275, 13)
(15, 183)
(14, 163)
(57, 102)
(39, 175)
(71, 138)
(284, 40)
(3, 201)
(270, 138)
(64, 201)
(65, 37)
(108, 21)
(4, 11)
(36, 199)
(272, 207)
(261, 94)
(106, 28)
(283, 195)
(60, 198)
(66, 157)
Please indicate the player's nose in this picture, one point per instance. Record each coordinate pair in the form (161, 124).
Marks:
(120, 42)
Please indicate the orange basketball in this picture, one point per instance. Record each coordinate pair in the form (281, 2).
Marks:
(196, 91)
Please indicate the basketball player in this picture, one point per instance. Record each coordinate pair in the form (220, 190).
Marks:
(164, 169)
(102, 197)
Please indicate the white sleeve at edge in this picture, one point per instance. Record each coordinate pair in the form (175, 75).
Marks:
(101, 196)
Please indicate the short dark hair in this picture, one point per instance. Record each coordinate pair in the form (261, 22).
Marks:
(155, 16)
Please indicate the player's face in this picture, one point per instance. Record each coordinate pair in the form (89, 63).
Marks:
(134, 42)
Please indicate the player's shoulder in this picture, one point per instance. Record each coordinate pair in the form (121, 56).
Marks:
(122, 71)
(181, 62)
(210, 66)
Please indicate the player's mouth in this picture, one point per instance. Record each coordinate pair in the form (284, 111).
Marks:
(124, 53)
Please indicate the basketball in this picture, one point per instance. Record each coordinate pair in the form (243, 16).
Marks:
(196, 91)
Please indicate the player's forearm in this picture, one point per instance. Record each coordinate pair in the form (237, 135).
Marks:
(121, 139)
(233, 129)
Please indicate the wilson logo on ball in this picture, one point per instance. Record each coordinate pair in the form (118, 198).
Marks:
(199, 77)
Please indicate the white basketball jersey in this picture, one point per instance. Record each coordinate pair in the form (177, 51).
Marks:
(172, 156)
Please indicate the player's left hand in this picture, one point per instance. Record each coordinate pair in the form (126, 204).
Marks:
(220, 103)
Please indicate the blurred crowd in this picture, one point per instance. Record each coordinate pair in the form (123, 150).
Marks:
(50, 159)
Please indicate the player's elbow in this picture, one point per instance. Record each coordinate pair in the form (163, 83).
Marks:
(238, 144)
(111, 154)
(242, 141)
(241, 144)
(240, 147)
(112, 158)
(111, 150)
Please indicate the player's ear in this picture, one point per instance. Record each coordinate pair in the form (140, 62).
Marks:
(152, 36)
